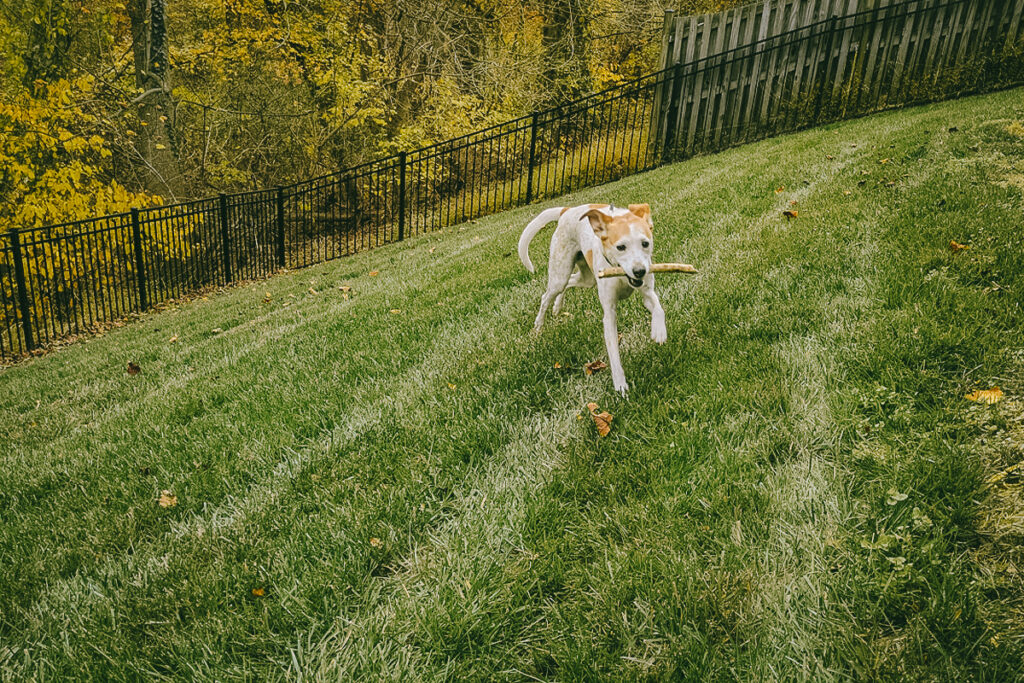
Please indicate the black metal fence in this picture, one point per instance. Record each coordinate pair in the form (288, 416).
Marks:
(62, 280)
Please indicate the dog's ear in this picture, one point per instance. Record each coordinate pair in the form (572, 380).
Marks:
(641, 210)
(598, 221)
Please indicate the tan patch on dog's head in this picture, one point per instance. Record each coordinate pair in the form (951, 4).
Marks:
(611, 229)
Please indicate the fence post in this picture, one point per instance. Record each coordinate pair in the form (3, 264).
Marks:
(825, 83)
(533, 149)
(280, 227)
(140, 261)
(19, 280)
(401, 196)
(224, 237)
(675, 95)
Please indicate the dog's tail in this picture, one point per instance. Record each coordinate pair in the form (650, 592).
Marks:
(533, 227)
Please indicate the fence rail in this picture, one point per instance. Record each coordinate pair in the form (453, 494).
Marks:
(726, 79)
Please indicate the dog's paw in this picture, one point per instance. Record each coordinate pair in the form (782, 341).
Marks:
(659, 334)
(535, 331)
(623, 388)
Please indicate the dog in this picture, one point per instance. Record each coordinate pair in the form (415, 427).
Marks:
(591, 237)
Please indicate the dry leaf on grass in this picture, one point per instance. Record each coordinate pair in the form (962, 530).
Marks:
(395, 311)
(345, 288)
(993, 395)
(846, 193)
(790, 213)
(167, 499)
(133, 369)
(374, 273)
(313, 291)
(780, 189)
(173, 339)
(266, 298)
(594, 366)
(956, 246)
(259, 592)
(376, 542)
(792, 202)
(602, 420)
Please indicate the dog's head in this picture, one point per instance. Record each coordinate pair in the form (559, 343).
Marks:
(626, 238)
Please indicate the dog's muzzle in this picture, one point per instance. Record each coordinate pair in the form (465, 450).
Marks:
(635, 283)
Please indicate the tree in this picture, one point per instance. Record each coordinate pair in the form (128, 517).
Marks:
(156, 142)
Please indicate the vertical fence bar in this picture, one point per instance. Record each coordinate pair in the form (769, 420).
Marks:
(19, 281)
(401, 196)
(140, 261)
(675, 95)
(224, 237)
(533, 150)
(280, 227)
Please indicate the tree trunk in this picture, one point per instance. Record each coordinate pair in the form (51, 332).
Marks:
(156, 142)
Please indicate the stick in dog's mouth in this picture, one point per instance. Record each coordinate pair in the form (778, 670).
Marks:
(655, 268)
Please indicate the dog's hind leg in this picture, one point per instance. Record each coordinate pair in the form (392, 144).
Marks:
(584, 277)
(559, 273)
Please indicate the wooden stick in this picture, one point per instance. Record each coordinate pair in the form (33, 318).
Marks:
(656, 268)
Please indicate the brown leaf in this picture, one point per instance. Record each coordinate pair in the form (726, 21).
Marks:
(374, 273)
(780, 189)
(956, 246)
(792, 202)
(259, 592)
(558, 366)
(133, 369)
(790, 213)
(376, 542)
(602, 420)
(993, 395)
(594, 366)
(173, 339)
(167, 499)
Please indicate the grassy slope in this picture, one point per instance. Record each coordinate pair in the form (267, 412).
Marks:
(417, 493)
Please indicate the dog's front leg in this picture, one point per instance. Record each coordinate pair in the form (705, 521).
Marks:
(611, 341)
(658, 331)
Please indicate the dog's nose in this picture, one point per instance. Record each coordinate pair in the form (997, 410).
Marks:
(639, 272)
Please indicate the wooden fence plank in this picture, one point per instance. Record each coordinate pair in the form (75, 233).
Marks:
(731, 76)
(756, 86)
(745, 83)
(698, 89)
(1011, 34)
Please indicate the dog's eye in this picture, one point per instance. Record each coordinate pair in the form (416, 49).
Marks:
(645, 244)
(621, 247)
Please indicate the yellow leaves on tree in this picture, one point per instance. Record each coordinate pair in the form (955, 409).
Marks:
(53, 167)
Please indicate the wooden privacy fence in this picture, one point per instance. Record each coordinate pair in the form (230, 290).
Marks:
(726, 78)
(764, 69)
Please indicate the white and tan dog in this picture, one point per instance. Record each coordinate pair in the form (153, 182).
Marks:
(589, 238)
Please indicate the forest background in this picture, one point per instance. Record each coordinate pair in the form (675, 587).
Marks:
(111, 104)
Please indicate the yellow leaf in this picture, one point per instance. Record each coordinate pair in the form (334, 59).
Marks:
(259, 592)
(602, 420)
(173, 339)
(956, 246)
(376, 542)
(160, 146)
(395, 311)
(167, 499)
(993, 395)
(373, 273)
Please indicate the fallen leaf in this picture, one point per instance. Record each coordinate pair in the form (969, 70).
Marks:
(431, 250)
(345, 288)
(374, 273)
(133, 369)
(395, 310)
(865, 172)
(159, 146)
(313, 291)
(780, 189)
(266, 298)
(792, 202)
(956, 246)
(451, 386)
(883, 161)
(829, 157)
(594, 366)
(993, 395)
(790, 213)
(846, 193)
(217, 330)
(603, 420)
(259, 592)
(376, 542)
(557, 366)
(173, 339)
(167, 499)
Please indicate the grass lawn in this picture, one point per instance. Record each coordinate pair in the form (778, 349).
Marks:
(402, 484)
